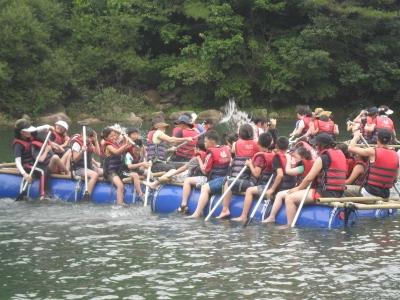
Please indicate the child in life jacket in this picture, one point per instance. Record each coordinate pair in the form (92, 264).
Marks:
(59, 138)
(383, 165)
(25, 147)
(271, 164)
(303, 164)
(135, 157)
(185, 128)
(243, 149)
(189, 174)
(78, 149)
(113, 152)
(329, 171)
(216, 167)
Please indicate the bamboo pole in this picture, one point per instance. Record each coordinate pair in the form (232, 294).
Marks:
(351, 199)
(7, 165)
(363, 206)
(372, 145)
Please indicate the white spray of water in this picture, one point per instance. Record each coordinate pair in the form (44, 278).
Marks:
(234, 117)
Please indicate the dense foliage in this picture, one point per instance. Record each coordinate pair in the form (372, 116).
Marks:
(258, 51)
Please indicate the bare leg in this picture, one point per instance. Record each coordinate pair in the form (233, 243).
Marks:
(248, 200)
(203, 200)
(187, 188)
(226, 202)
(120, 189)
(136, 182)
(276, 207)
(56, 166)
(66, 159)
(293, 200)
(93, 176)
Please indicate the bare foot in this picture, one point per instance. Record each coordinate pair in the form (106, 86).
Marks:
(153, 185)
(224, 215)
(193, 216)
(269, 220)
(239, 219)
(122, 204)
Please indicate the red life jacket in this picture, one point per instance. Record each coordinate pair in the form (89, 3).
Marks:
(384, 122)
(187, 150)
(333, 178)
(221, 160)
(306, 120)
(26, 156)
(58, 138)
(287, 180)
(310, 148)
(202, 154)
(268, 170)
(350, 166)
(383, 172)
(326, 126)
(244, 150)
(307, 163)
(77, 138)
(175, 131)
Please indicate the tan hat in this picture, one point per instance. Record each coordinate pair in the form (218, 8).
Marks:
(318, 110)
(325, 113)
(160, 125)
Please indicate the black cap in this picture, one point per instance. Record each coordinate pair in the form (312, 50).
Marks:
(184, 119)
(131, 130)
(384, 136)
(323, 139)
(22, 124)
(373, 110)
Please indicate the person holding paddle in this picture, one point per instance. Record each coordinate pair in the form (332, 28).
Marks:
(216, 167)
(328, 175)
(78, 148)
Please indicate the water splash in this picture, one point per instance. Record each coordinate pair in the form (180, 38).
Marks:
(234, 117)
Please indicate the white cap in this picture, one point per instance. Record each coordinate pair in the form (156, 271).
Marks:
(30, 129)
(194, 117)
(389, 112)
(62, 124)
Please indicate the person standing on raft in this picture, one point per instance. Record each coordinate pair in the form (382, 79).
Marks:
(328, 175)
(383, 165)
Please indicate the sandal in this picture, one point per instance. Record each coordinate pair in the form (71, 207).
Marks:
(183, 209)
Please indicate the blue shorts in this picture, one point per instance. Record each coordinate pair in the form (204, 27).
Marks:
(216, 185)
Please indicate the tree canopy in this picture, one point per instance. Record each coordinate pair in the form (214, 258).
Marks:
(257, 51)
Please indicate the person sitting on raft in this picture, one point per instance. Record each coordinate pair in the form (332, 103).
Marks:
(273, 164)
(328, 175)
(383, 165)
(216, 167)
(134, 158)
(25, 153)
(244, 149)
(77, 157)
(157, 141)
(304, 117)
(324, 124)
(356, 171)
(304, 163)
(185, 152)
(113, 151)
(192, 176)
(59, 138)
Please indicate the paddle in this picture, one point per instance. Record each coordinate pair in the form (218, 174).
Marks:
(259, 201)
(146, 193)
(300, 206)
(364, 141)
(225, 192)
(86, 193)
(23, 192)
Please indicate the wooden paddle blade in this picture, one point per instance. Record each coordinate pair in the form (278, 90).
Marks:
(21, 196)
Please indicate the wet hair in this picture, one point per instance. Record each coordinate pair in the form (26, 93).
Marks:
(282, 143)
(230, 138)
(303, 110)
(265, 140)
(106, 132)
(131, 130)
(384, 136)
(212, 135)
(344, 148)
(201, 146)
(259, 120)
(19, 125)
(304, 153)
(246, 132)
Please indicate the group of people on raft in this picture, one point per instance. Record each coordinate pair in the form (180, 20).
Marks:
(255, 152)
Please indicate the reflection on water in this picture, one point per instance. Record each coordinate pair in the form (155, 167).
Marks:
(69, 251)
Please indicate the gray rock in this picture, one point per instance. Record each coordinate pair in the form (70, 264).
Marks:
(213, 114)
(89, 121)
(52, 118)
(153, 97)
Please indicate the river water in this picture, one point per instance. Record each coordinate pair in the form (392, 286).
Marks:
(56, 250)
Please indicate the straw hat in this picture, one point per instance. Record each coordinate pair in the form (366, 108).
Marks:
(160, 125)
(318, 110)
